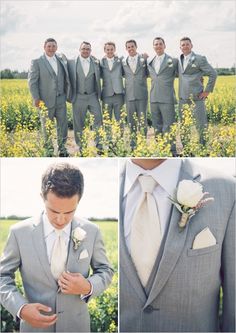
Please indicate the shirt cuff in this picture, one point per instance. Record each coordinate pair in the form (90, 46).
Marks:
(82, 297)
(18, 312)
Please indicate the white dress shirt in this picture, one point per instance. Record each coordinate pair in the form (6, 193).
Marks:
(53, 62)
(166, 175)
(158, 61)
(85, 62)
(186, 60)
(110, 62)
(50, 235)
(132, 61)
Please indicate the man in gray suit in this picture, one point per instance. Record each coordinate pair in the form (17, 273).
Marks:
(84, 74)
(192, 67)
(136, 93)
(162, 70)
(181, 291)
(54, 253)
(112, 81)
(49, 82)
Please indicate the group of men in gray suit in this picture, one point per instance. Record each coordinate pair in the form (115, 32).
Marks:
(53, 79)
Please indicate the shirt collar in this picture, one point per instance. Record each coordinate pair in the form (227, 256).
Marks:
(166, 175)
(53, 58)
(48, 228)
(111, 59)
(84, 59)
(187, 57)
(134, 57)
(161, 56)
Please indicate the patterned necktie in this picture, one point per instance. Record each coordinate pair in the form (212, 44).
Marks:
(145, 231)
(59, 255)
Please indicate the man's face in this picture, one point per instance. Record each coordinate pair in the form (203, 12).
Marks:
(159, 46)
(131, 49)
(60, 211)
(186, 47)
(85, 50)
(50, 48)
(109, 51)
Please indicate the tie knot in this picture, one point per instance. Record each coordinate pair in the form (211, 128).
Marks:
(147, 183)
(58, 232)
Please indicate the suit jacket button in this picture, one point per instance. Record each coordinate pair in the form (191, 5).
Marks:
(149, 309)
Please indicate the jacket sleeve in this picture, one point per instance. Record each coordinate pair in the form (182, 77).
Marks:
(33, 79)
(10, 261)
(209, 71)
(228, 275)
(102, 270)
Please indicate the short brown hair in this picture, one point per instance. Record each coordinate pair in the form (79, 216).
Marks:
(50, 40)
(110, 43)
(63, 179)
(186, 38)
(160, 38)
(87, 43)
(131, 41)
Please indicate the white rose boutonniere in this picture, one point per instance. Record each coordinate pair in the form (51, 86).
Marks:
(78, 234)
(188, 199)
(170, 62)
(62, 57)
(142, 60)
(124, 62)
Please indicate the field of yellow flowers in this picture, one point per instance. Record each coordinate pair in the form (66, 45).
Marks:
(20, 133)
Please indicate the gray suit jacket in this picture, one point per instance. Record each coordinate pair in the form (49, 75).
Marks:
(26, 250)
(162, 83)
(135, 83)
(112, 80)
(42, 82)
(190, 78)
(183, 291)
(72, 64)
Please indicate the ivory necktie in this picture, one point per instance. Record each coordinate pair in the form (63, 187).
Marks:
(157, 64)
(132, 63)
(59, 255)
(85, 65)
(145, 230)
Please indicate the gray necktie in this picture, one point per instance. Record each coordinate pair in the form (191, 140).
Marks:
(145, 230)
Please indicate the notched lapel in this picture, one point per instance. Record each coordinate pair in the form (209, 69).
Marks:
(174, 245)
(40, 247)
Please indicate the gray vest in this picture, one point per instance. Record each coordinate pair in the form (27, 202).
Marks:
(85, 85)
(60, 79)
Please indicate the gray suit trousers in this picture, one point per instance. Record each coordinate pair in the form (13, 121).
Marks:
(114, 104)
(137, 115)
(60, 113)
(200, 115)
(81, 105)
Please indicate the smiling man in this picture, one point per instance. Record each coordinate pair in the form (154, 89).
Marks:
(54, 253)
(192, 68)
(49, 82)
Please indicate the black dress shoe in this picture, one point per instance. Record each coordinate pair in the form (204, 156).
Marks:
(64, 153)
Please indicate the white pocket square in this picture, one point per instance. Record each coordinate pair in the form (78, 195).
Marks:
(204, 239)
(83, 254)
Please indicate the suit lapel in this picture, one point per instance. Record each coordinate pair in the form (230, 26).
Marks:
(40, 248)
(125, 259)
(173, 247)
(48, 66)
(73, 255)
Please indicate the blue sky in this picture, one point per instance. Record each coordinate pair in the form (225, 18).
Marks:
(26, 24)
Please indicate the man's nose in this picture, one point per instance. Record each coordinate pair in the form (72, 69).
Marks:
(61, 218)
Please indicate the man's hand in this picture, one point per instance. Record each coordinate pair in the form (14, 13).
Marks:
(31, 314)
(203, 95)
(74, 283)
(36, 102)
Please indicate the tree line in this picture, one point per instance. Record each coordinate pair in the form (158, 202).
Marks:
(15, 74)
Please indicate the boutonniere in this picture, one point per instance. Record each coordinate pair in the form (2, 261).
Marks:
(193, 65)
(78, 234)
(62, 57)
(142, 60)
(188, 199)
(170, 62)
(124, 62)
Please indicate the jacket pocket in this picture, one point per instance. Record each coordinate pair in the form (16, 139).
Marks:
(205, 250)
